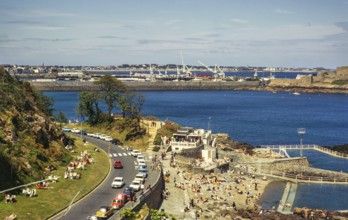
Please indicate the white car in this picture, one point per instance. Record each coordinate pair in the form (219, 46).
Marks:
(141, 164)
(141, 158)
(108, 138)
(102, 136)
(97, 135)
(140, 177)
(74, 130)
(117, 182)
(136, 185)
(135, 153)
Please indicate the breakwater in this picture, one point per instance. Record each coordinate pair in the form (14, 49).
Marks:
(149, 86)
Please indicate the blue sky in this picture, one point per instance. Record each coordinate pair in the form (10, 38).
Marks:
(275, 33)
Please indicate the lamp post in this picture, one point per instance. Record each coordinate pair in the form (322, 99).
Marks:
(301, 132)
(209, 120)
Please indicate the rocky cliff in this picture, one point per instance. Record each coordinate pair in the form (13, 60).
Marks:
(29, 140)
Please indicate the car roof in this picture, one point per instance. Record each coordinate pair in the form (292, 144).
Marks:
(117, 161)
(118, 177)
(104, 207)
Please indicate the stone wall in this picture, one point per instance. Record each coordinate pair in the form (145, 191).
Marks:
(342, 71)
(287, 164)
(195, 153)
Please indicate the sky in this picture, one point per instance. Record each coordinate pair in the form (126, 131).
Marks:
(271, 33)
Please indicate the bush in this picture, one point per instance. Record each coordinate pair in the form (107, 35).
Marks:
(156, 148)
(340, 82)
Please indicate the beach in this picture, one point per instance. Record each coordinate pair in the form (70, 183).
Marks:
(207, 196)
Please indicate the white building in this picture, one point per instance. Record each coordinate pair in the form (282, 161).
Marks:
(188, 138)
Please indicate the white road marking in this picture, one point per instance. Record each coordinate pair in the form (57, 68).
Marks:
(110, 155)
(115, 155)
(125, 154)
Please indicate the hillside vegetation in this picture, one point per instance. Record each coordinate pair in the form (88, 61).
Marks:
(29, 140)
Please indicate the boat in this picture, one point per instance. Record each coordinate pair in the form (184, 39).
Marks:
(296, 93)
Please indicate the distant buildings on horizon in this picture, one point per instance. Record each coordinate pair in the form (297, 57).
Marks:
(28, 69)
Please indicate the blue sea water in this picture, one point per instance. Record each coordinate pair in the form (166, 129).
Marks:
(257, 118)
(248, 116)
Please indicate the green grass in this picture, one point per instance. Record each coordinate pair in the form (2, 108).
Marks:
(140, 144)
(50, 201)
(340, 82)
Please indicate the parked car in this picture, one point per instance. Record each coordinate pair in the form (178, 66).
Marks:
(108, 138)
(142, 167)
(102, 136)
(116, 141)
(136, 185)
(129, 192)
(141, 158)
(118, 164)
(83, 132)
(75, 130)
(142, 164)
(104, 212)
(90, 134)
(135, 153)
(66, 129)
(143, 171)
(119, 201)
(117, 182)
(140, 177)
(97, 135)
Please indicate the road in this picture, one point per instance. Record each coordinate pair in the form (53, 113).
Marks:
(104, 193)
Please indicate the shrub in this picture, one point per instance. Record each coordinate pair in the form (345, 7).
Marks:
(340, 82)
(156, 148)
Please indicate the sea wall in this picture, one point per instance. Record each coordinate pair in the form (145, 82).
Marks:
(158, 85)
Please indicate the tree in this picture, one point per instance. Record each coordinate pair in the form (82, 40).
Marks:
(131, 104)
(60, 117)
(111, 90)
(44, 103)
(89, 107)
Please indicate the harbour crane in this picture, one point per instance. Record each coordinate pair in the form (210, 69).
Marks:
(185, 69)
(217, 74)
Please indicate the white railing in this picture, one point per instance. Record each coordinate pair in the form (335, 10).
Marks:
(303, 146)
(307, 146)
(183, 144)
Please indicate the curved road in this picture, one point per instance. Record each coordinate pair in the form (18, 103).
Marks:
(104, 193)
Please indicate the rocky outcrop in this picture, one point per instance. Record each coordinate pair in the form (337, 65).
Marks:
(29, 140)
(323, 82)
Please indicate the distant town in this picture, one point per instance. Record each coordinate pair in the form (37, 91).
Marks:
(157, 68)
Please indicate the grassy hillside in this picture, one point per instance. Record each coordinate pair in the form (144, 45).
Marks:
(29, 141)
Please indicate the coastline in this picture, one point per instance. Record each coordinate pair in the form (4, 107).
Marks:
(187, 86)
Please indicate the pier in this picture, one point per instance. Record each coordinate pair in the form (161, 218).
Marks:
(288, 198)
(306, 147)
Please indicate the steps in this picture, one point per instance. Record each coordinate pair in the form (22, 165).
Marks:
(151, 128)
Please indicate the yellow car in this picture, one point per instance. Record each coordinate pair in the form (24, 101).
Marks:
(104, 212)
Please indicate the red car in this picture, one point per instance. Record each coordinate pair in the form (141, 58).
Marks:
(118, 164)
(119, 201)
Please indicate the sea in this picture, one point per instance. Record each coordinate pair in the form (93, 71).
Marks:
(257, 118)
